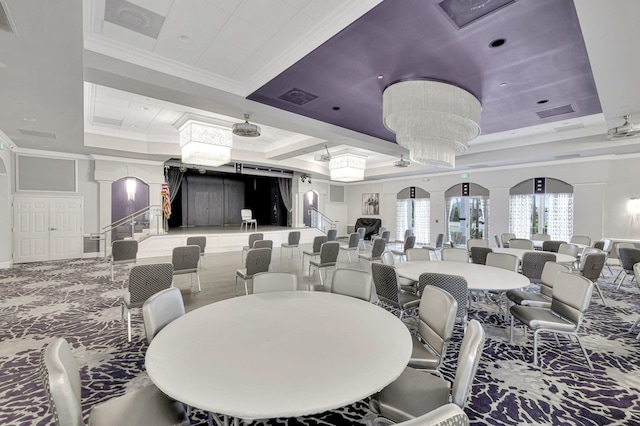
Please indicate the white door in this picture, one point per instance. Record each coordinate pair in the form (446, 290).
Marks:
(47, 228)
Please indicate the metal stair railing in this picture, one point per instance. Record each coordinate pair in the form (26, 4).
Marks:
(321, 221)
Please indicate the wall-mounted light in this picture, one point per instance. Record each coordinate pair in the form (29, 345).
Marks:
(310, 197)
(633, 208)
(130, 186)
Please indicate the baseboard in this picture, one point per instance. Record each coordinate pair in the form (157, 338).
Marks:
(6, 265)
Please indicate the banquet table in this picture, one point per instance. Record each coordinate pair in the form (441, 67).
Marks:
(478, 277)
(560, 258)
(280, 354)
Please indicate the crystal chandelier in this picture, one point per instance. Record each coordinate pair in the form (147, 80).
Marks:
(205, 144)
(432, 119)
(347, 167)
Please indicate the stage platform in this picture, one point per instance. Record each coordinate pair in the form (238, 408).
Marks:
(219, 239)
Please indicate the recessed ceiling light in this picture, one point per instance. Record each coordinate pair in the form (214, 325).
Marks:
(31, 119)
(504, 83)
(144, 108)
(185, 39)
(133, 126)
(336, 108)
(497, 42)
(543, 101)
(380, 76)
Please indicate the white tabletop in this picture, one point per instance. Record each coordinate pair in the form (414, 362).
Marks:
(478, 277)
(279, 354)
(560, 258)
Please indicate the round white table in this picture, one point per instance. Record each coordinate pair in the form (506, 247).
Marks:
(478, 277)
(560, 258)
(280, 354)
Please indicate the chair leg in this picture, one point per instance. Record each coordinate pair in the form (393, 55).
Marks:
(236, 290)
(349, 255)
(129, 323)
(198, 279)
(584, 351)
(535, 347)
(246, 289)
(112, 277)
(635, 324)
(600, 293)
(511, 330)
(320, 275)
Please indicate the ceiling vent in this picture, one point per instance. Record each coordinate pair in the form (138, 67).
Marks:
(402, 162)
(298, 97)
(5, 22)
(133, 17)
(38, 134)
(627, 130)
(246, 129)
(552, 112)
(323, 157)
(567, 156)
(464, 12)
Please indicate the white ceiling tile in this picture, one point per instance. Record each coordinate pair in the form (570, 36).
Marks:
(242, 34)
(228, 5)
(295, 29)
(320, 9)
(197, 15)
(223, 59)
(127, 37)
(109, 111)
(161, 7)
(298, 4)
(268, 15)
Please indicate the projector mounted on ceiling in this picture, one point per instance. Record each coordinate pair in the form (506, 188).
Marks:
(627, 130)
(246, 129)
(323, 157)
(402, 162)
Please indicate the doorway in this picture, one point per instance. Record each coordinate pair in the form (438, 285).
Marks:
(310, 200)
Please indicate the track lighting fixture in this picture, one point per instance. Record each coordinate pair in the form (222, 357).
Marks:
(305, 178)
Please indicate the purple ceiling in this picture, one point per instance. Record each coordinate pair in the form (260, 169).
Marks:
(543, 59)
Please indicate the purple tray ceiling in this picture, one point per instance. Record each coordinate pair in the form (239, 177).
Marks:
(543, 59)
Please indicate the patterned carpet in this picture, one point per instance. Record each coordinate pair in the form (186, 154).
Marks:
(77, 300)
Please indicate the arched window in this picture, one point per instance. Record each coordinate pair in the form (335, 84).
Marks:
(541, 206)
(467, 212)
(413, 209)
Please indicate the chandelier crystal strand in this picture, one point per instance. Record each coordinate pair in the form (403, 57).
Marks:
(347, 167)
(433, 120)
(205, 144)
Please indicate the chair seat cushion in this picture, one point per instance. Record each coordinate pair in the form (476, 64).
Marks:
(398, 252)
(400, 402)
(126, 299)
(144, 406)
(422, 357)
(536, 318)
(242, 273)
(408, 300)
(317, 264)
(528, 298)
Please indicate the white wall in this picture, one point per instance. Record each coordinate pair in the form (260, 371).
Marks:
(6, 214)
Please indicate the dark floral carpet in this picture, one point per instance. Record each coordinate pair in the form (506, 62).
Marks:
(76, 300)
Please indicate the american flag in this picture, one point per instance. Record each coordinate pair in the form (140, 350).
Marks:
(166, 201)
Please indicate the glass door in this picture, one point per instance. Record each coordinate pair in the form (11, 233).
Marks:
(467, 218)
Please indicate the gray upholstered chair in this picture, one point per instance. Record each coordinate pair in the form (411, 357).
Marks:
(378, 247)
(266, 282)
(636, 273)
(446, 415)
(263, 244)
(581, 239)
(569, 249)
(160, 309)
(185, 261)
(122, 251)
(590, 266)
(328, 258)
(315, 248)
(362, 232)
(455, 255)
(436, 318)
(407, 232)
(540, 237)
(475, 242)
(246, 215)
(415, 392)
(380, 233)
(144, 281)
(533, 264)
(332, 235)
(202, 243)
(256, 236)
(547, 280)
(453, 284)
(409, 243)
(510, 262)
(479, 254)
(293, 242)
(387, 284)
(505, 237)
(387, 258)
(61, 380)
(552, 245)
(570, 299)
(418, 254)
(521, 243)
(352, 282)
(628, 258)
(258, 260)
(437, 248)
(497, 240)
(352, 245)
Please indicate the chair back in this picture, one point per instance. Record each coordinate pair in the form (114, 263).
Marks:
(409, 243)
(439, 241)
(329, 253)
(147, 280)
(246, 214)
(533, 264)
(588, 250)
(569, 249)
(263, 244)
(591, 265)
(258, 260)
(453, 284)
(386, 235)
(599, 244)
(455, 255)
(318, 241)
(636, 272)
(382, 229)
(354, 240)
(510, 262)
(418, 254)
(552, 245)
(445, 415)
(497, 239)
(475, 242)
(479, 254)
(61, 380)
(581, 239)
(618, 246)
(468, 360)
(408, 232)
(385, 280)
(124, 250)
(267, 282)
(387, 258)
(541, 237)
(521, 243)
(628, 258)
(506, 237)
(362, 232)
(160, 309)
(198, 241)
(549, 275)
(332, 235)
(436, 318)
(185, 259)
(608, 245)
(352, 282)
(571, 297)
(256, 236)
(294, 238)
(379, 245)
